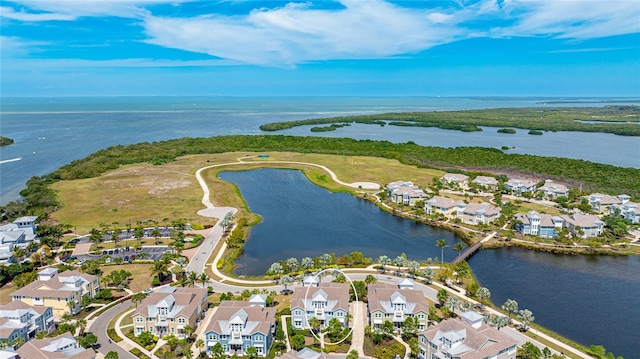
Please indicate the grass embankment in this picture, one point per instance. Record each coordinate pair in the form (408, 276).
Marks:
(141, 274)
(536, 119)
(142, 191)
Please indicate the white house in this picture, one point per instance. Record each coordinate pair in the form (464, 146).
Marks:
(584, 225)
(552, 190)
(387, 302)
(446, 206)
(602, 203)
(520, 186)
(485, 182)
(325, 302)
(405, 193)
(477, 213)
(455, 180)
(538, 224)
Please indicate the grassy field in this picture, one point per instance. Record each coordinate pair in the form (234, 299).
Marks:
(141, 275)
(142, 191)
(5, 293)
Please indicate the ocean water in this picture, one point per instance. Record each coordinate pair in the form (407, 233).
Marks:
(51, 132)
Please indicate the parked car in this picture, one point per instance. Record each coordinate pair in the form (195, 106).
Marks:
(148, 290)
(82, 261)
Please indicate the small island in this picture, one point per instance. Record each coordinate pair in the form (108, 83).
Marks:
(535, 132)
(5, 141)
(507, 130)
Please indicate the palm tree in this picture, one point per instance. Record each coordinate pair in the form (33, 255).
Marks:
(81, 324)
(95, 236)
(527, 317)
(511, 307)
(188, 330)
(314, 324)
(275, 269)
(155, 233)
(292, 264)
(204, 278)
(200, 344)
(327, 259)
(370, 279)
(115, 236)
(442, 244)
(307, 263)
(484, 294)
(501, 321)
(428, 274)
(452, 303)
(285, 281)
(399, 261)
(192, 278)
(138, 297)
(159, 268)
(384, 260)
(458, 247)
(413, 267)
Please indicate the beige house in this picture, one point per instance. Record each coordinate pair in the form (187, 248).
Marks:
(477, 213)
(485, 182)
(520, 186)
(170, 310)
(64, 346)
(324, 301)
(602, 203)
(583, 225)
(62, 292)
(455, 180)
(552, 190)
(467, 338)
(443, 205)
(387, 302)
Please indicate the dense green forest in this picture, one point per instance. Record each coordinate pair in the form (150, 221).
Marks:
(4, 141)
(591, 176)
(586, 119)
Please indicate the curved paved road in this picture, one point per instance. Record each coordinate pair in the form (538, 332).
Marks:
(99, 328)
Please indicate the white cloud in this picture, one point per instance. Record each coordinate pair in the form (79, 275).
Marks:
(10, 13)
(295, 33)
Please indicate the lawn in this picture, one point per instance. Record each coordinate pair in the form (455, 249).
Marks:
(525, 207)
(141, 274)
(5, 293)
(141, 192)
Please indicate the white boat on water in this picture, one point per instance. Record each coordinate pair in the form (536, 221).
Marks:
(11, 160)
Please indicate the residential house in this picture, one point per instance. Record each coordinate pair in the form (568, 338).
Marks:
(538, 224)
(520, 186)
(446, 206)
(62, 292)
(552, 190)
(389, 302)
(20, 320)
(602, 203)
(485, 182)
(237, 326)
(628, 210)
(324, 301)
(8, 353)
(26, 225)
(477, 213)
(583, 225)
(305, 353)
(64, 346)
(455, 180)
(170, 310)
(467, 338)
(405, 193)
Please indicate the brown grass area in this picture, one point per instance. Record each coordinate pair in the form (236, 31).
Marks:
(141, 275)
(525, 207)
(143, 191)
(5, 293)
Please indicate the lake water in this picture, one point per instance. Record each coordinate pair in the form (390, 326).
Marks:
(301, 219)
(591, 300)
(51, 132)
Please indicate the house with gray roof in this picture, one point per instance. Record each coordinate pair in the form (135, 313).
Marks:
(443, 205)
(237, 326)
(583, 225)
(538, 224)
(62, 292)
(520, 186)
(20, 320)
(387, 302)
(553, 190)
(325, 302)
(628, 210)
(405, 193)
(467, 338)
(477, 213)
(305, 353)
(602, 203)
(19, 233)
(170, 311)
(64, 346)
(486, 182)
(455, 180)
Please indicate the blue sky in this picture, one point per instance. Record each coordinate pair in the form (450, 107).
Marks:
(320, 48)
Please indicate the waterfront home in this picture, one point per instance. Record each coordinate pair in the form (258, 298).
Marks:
(26, 225)
(325, 302)
(477, 213)
(583, 225)
(465, 338)
(455, 180)
(237, 326)
(305, 353)
(62, 292)
(552, 190)
(169, 311)
(443, 205)
(628, 210)
(520, 186)
(602, 203)
(485, 182)
(387, 302)
(20, 320)
(64, 346)
(405, 193)
(538, 224)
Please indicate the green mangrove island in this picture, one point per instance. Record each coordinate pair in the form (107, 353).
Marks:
(5, 141)
(587, 119)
